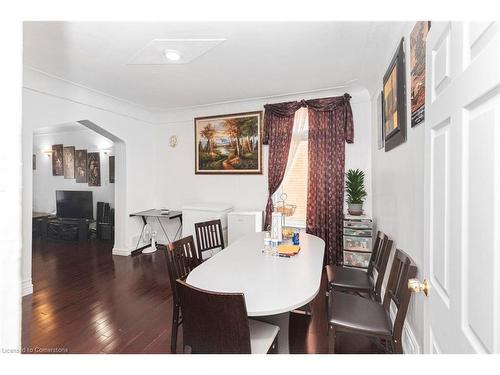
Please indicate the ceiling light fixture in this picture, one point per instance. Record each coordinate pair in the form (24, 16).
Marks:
(172, 55)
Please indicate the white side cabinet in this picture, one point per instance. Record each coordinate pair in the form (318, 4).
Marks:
(243, 222)
(200, 212)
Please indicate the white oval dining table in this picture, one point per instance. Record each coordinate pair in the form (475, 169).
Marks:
(273, 286)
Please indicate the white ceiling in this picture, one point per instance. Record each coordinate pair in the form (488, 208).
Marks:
(256, 60)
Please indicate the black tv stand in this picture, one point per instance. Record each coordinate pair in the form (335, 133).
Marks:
(68, 230)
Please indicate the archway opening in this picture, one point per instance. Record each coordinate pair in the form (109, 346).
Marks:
(79, 173)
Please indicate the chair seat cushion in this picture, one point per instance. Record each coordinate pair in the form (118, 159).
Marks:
(262, 336)
(354, 313)
(348, 278)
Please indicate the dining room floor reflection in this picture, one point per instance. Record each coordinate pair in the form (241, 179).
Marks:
(87, 300)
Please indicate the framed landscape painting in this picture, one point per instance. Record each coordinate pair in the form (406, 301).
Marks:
(229, 144)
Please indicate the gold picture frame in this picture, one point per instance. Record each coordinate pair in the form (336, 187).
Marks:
(229, 144)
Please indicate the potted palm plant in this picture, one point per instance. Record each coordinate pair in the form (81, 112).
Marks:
(355, 191)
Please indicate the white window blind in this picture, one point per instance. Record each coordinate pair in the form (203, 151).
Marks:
(295, 180)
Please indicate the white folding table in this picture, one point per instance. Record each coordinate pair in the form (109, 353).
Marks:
(158, 215)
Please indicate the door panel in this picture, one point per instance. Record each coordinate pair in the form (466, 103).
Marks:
(441, 63)
(462, 188)
(439, 272)
(478, 36)
(480, 138)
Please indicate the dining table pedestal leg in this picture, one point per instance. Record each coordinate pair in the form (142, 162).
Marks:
(281, 320)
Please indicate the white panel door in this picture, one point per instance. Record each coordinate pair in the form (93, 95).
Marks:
(462, 188)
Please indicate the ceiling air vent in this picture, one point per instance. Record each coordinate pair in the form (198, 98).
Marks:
(173, 51)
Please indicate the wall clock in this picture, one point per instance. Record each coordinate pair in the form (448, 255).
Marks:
(173, 141)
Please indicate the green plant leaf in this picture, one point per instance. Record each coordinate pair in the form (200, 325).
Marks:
(355, 186)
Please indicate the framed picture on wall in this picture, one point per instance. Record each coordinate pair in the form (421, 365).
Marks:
(418, 38)
(379, 122)
(112, 169)
(394, 100)
(229, 144)
(94, 169)
(69, 161)
(57, 160)
(34, 162)
(81, 166)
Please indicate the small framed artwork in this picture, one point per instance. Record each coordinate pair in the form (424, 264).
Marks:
(379, 123)
(112, 169)
(57, 160)
(394, 100)
(69, 161)
(81, 166)
(94, 169)
(229, 144)
(418, 38)
(34, 162)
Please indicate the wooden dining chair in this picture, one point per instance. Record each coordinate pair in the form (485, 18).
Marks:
(182, 258)
(358, 281)
(217, 323)
(209, 236)
(357, 315)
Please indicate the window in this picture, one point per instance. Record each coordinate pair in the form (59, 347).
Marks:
(295, 186)
(295, 180)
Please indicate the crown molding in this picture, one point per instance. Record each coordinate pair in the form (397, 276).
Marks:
(98, 92)
(258, 98)
(186, 114)
(44, 83)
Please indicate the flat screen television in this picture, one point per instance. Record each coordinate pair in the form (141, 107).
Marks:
(72, 204)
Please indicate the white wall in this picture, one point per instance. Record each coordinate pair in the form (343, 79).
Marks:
(45, 184)
(48, 101)
(397, 183)
(157, 175)
(10, 195)
(178, 184)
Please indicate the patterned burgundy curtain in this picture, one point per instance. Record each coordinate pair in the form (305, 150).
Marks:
(278, 126)
(330, 127)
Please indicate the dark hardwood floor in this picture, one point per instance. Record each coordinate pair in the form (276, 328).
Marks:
(86, 300)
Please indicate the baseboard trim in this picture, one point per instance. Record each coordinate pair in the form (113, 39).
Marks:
(408, 339)
(410, 343)
(27, 287)
(121, 252)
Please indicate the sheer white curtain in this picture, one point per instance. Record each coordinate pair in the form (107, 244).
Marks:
(300, 126)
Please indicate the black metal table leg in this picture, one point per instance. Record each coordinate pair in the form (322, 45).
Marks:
(164, 232)
(138, 249)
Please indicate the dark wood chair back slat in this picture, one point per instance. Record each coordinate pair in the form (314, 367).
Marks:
(403, 268)
(378, 261)
(182, 258)
(375, 251)
(209, 235)
(378, 253)
(213, 323)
